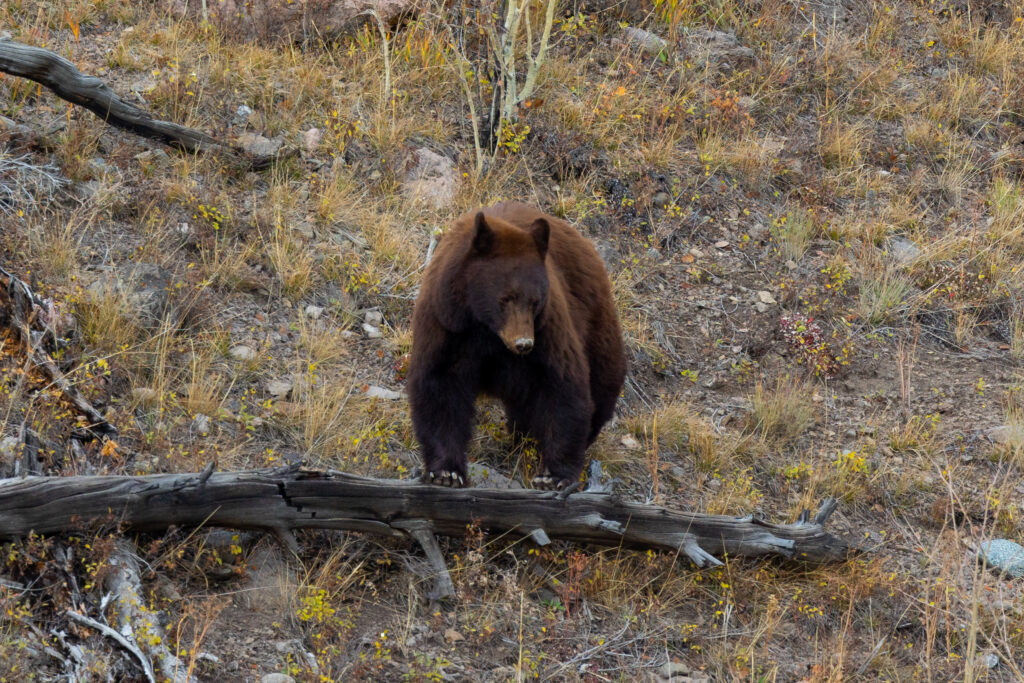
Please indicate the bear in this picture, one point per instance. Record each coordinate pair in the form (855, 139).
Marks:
(515, 304)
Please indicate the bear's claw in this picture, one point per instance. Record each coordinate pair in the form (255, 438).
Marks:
(445, 478)
(548, 482)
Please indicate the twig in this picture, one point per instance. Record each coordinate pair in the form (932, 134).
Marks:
(147, 668)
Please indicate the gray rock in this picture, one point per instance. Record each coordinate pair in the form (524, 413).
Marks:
(645, 40)
(661, 199)
(373, 317)
(485, 477)
(372, 331)
(144, 287)
(242, 353)
(314, 312)
(153, 156)
(279, 388)
(1007, 435)
(373, 391)
(311, 140)
(718, 47)
(201, 423)
(433, 179)
(277, 678)
(243, 113)
(1003, 556)
(259, 146)
(10, 447)
(903, 250)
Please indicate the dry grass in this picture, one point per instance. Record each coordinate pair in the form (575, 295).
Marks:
(780, 414)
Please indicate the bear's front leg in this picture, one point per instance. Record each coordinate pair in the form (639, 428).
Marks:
(442, 417)
(561, 422)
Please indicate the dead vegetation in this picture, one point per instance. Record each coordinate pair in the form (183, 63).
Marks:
(813, 222)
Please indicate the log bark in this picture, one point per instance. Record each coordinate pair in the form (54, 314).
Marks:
(292, 498)
(67, 82)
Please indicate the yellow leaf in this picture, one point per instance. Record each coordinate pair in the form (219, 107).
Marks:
(109, 449)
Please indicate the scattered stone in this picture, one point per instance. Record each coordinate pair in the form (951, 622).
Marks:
(485, 477)
(373, 391)
(277, 678)
(432, 180)
(153, 156)
(201, 423)
(372, 331)
(314, 312)
(903, 250)
(144, 287)
(851, 434)
(721, 244)
(762, 307)
(373, 317)
(645, 40)
(1003, 556)
(661, 199)
(791, 264)
(672, 669)
(718, 47)
(259, 146)
(242, 114)
(1007, 435)
(279, 388)
(144, 395)
(630, 442)
(242, 353)
(453, 636)
(765, 297)
(311, 140)
(990, 660)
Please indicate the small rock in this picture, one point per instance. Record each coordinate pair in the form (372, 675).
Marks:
(453, 636)
(152, 156)
(277, 678)
(990, 660)
(314, 312)
(765, 297)
(718, 47)
(279, 388)
(851, 434)
(372, 331)
(645, 40)
(243, 113)
(721, 244)
(144, 395)
(373, 317)
(903, 250)
(432, 180)
(259, 146)
(10, 447)
(791, 264)
(242, 353)
(671, 669)
(630, 442)
(311, 140)
(374, 391)
(484, 477)
(201, 423)
(1003, 556)
(1007, 435)
(762, 307)
(661, 199)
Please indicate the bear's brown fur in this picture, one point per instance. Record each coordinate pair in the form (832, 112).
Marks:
(515, 304)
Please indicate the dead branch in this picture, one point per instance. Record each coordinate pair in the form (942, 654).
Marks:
(20, 310)
(292, 498)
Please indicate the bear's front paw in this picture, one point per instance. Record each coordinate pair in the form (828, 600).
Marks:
(445, 478)
(549, 482)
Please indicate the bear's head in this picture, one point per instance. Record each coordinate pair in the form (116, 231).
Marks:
(507, 280)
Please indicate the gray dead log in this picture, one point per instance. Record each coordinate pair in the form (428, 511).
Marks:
(294, 498)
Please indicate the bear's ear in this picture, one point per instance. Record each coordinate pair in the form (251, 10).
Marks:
(483, 236)
(541, 231)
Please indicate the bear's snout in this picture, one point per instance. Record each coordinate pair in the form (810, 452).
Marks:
(524, 345)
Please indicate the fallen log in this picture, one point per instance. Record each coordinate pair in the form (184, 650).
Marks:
(291, 498)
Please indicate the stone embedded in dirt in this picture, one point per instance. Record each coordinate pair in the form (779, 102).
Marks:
(145, 395)
(311, 140)
(903, 250)
(718, 47)
(242, 114)
(314, 312)
(432, 180)
(630, 442)
(453, 636)
(372, 331)
(279, 387)
(721, 244)
(373, 317)
(661, 199)
(1003, 556)
(671, 670)
(1007, 435)
(259, 146)
(645, 40)
(765, 297)
(277, 678)
(144, 287)
(290, 21)
(373, 391)
(485, 477)
(242, 353)
(201, 423)
(153, 156)
(10, 447)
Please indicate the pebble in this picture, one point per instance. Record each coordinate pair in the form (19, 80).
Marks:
(1003, 556)
(277, 678)
(765, 297)
(145, 394)
(242, 352)
(374, 391)
(10, 446)
(201, 423)
(630, 442)
(372, 331)
(373, 317)
(645, 40)
(314, 312)
(279, 387)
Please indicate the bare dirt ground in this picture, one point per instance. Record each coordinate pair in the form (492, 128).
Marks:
(813, 216)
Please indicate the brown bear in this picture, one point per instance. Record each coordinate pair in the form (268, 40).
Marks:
(517, 305)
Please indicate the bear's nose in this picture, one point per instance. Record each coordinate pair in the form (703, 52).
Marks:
(524, 345)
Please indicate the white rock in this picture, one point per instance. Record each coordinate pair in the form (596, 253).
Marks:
(242, 353)
(259, 146)
(243, 112)
(373, 317)
(432, 180)
(10, 447)
(630, 442)
(314, 312)
(645, 40)
(279, 387)
(373, 391)
(372, 331)
(765, 297)
(277, 678)
(311, 140)
(201, 423)
(903, 250)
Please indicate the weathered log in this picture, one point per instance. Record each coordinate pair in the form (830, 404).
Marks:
(292, 498)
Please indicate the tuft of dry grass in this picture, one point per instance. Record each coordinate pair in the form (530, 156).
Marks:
(779, 415)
